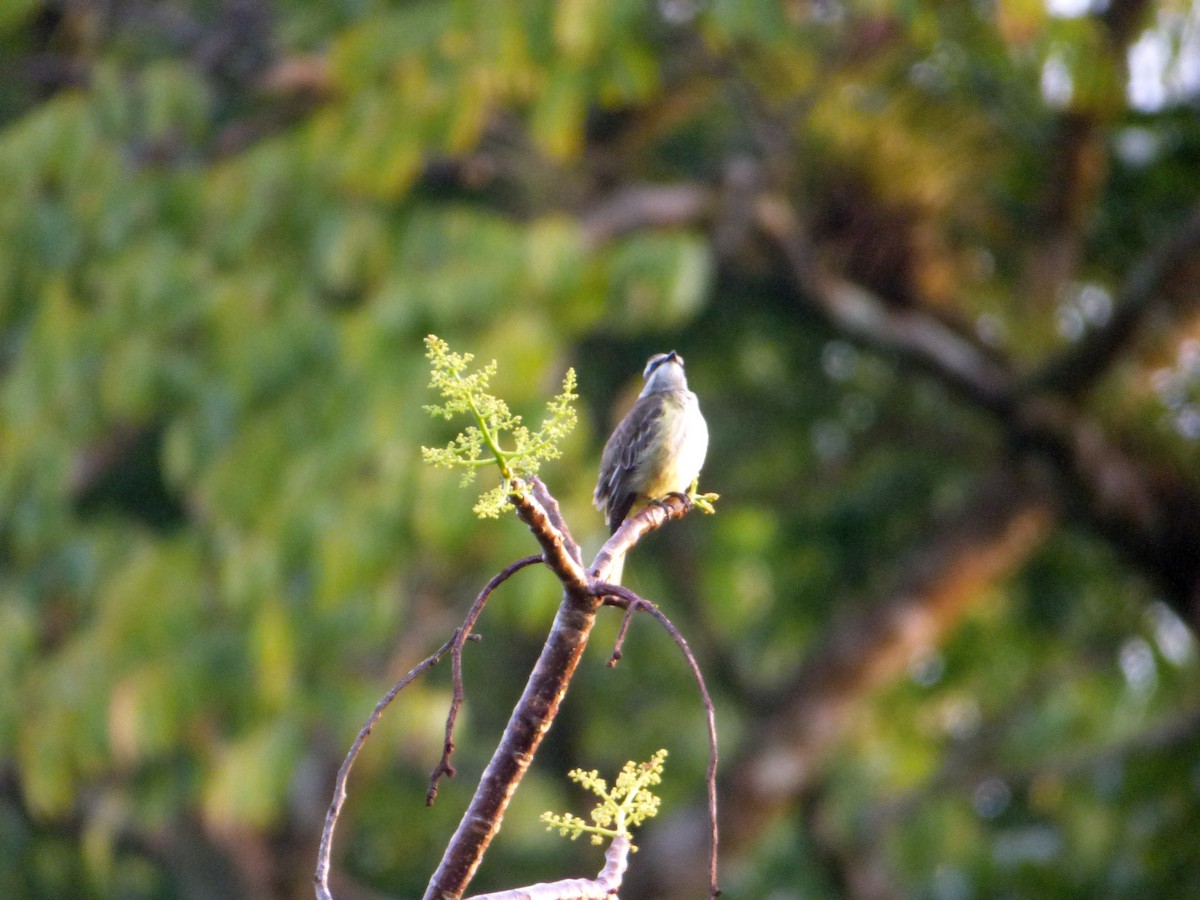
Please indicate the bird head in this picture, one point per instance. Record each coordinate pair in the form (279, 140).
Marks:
(664, 372)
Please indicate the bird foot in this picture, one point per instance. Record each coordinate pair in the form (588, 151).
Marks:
(690, 498)
(683, 496)
(661, 502)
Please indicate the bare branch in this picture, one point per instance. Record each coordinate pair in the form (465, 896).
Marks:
(604, 887)
(1142, 293)
(616, 595)
(321, 878)
(547, 685)
(530, 721)
(633, 529)
(550, 505)
(444, 766)
(646, 206)
(559, 548)
(536, 710)
(960, 362)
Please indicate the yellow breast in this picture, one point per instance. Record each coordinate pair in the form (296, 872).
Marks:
(674, 458)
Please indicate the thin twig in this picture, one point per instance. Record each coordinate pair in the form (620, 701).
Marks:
(543, 496)
(616, 595)
(321, 878)
(620, 641)
(444, 766)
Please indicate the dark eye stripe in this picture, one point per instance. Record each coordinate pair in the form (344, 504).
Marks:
(655, 362)
(658, 359)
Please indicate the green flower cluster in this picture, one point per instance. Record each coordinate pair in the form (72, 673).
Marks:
(466, 392)
(621, 809)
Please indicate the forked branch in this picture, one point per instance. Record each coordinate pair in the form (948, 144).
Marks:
(445, 766)
(516, 451)
(583, 592)
(603, 887)
(321, 878)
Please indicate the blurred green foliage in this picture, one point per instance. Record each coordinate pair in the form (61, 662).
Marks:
(217, 540)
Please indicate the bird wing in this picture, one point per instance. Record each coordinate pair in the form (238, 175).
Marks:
(618, 485)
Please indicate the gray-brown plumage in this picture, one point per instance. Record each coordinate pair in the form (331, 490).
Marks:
(656, 450)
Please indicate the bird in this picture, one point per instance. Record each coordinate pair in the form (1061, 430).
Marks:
(657, 449)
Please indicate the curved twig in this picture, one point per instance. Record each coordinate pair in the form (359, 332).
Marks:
(619, 643)
(321, 878)
(616, 595)
(461, 636)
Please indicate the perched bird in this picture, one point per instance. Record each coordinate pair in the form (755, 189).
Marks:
(657, 449)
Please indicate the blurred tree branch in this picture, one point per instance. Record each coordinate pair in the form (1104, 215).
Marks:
(956, 358)
(1151, 514)
(1148, 513)
(1164, 283)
